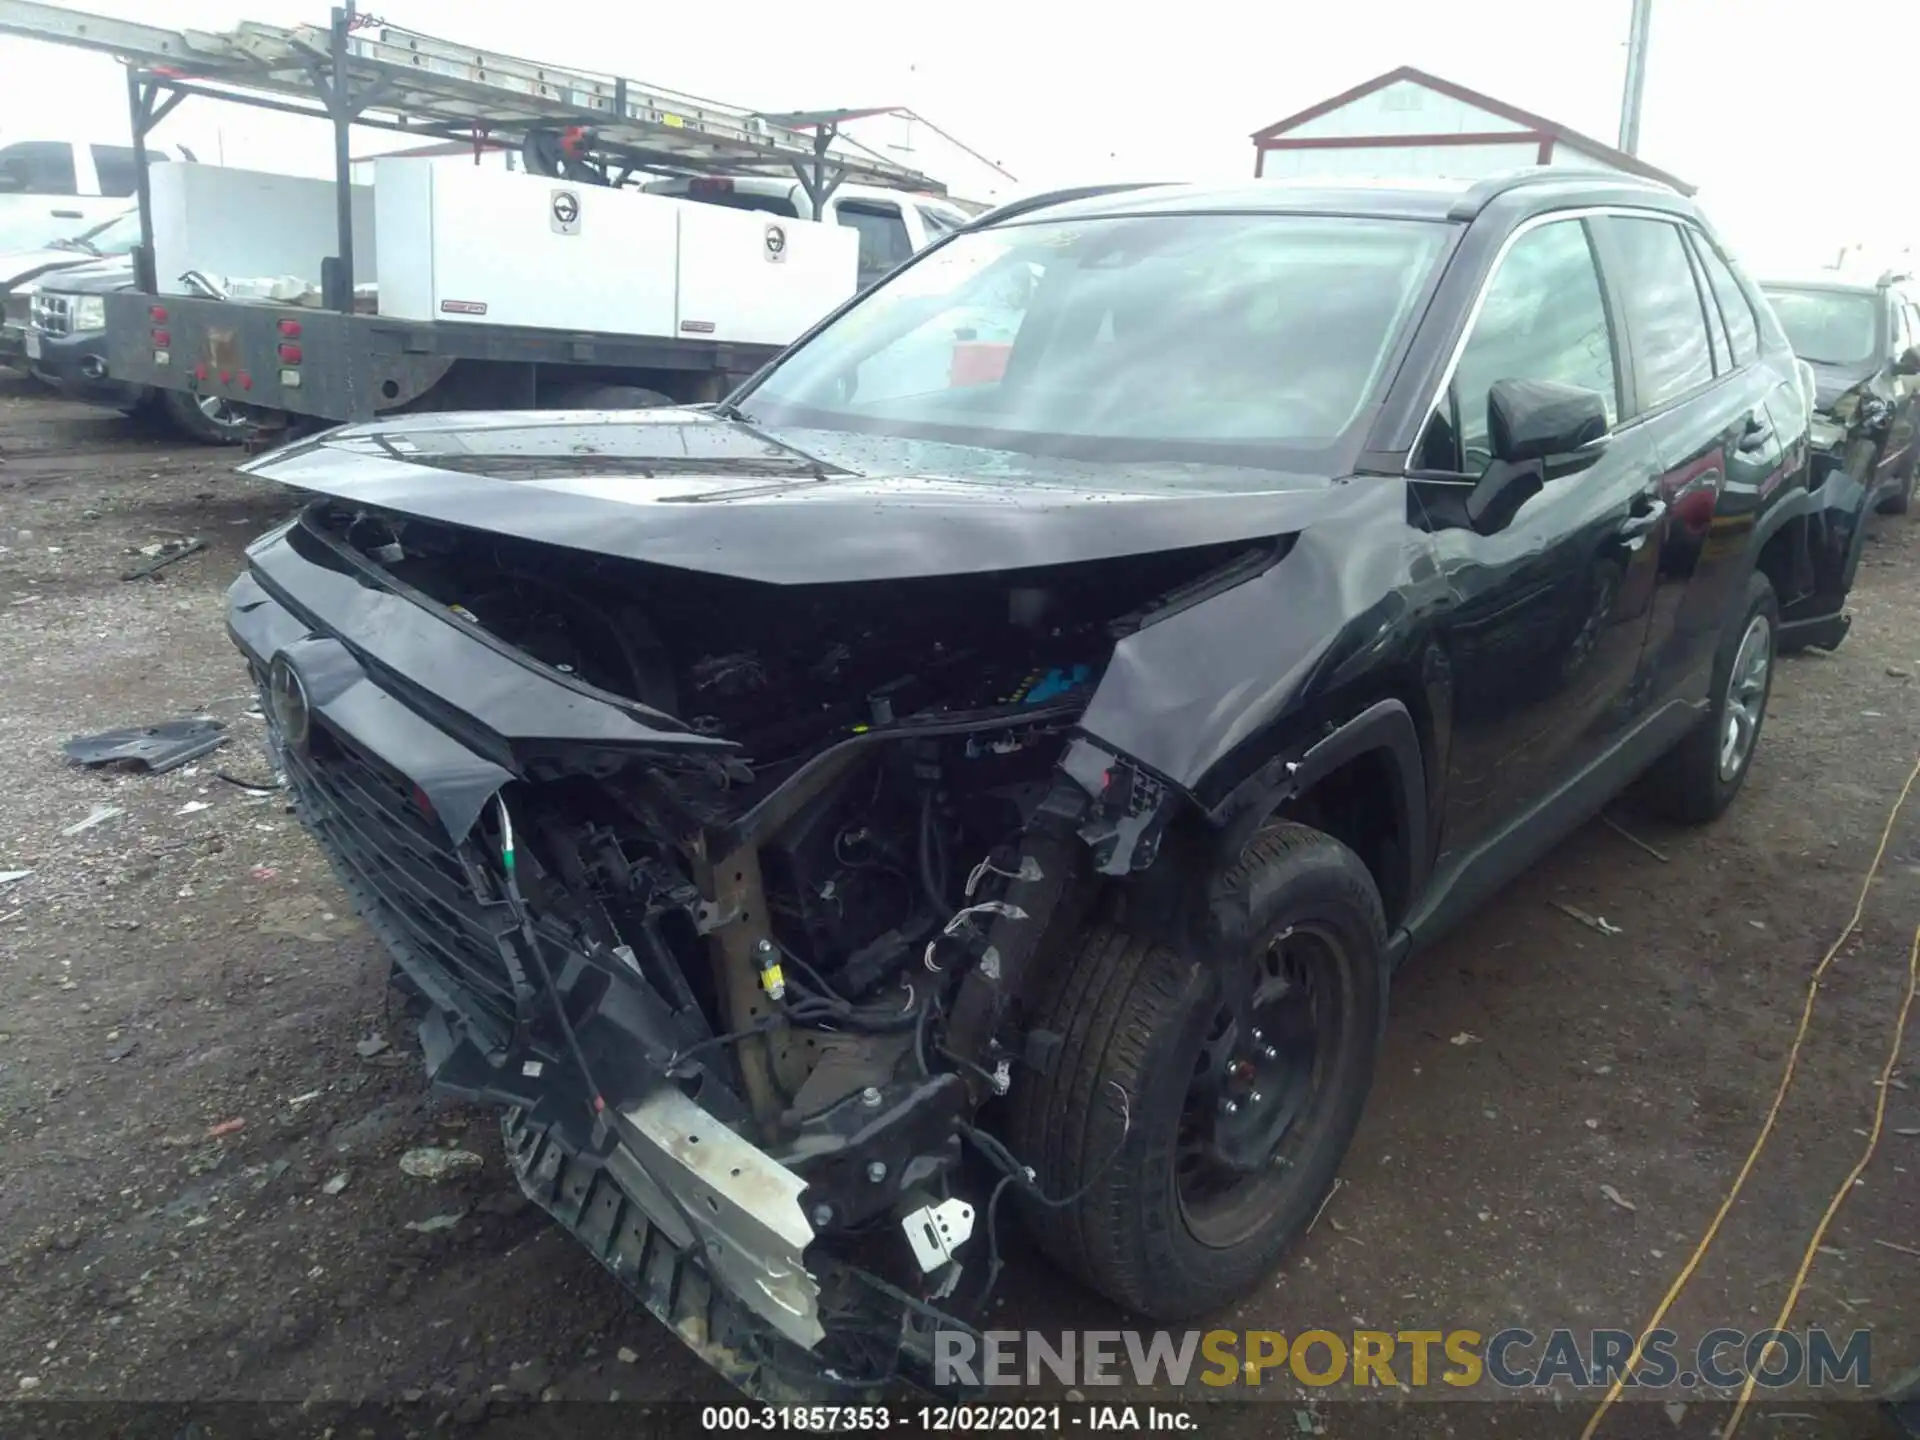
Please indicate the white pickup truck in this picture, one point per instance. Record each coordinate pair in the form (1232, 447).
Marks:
(50, 189)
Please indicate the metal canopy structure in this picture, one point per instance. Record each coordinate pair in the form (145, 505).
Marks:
(359, 70)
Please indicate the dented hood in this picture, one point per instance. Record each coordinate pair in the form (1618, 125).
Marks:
(689, 489)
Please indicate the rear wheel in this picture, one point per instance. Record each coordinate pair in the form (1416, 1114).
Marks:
(1698, 778)
(206, 418)
(1244, 1076)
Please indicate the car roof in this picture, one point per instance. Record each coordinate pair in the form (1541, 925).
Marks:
(1537, 188)
(1837, 286)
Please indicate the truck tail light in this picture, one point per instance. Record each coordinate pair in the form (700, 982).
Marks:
(157, 314)
(289, 329)
(289, 354)
(162, 339)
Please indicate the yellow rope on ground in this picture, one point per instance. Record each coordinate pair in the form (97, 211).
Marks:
(1766, 1128)
(1840, 1195)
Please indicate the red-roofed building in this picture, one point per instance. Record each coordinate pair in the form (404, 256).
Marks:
(1409, 123)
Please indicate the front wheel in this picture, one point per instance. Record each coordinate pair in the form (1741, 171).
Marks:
(206, 418)
(1237, 1079)
(1696, 780)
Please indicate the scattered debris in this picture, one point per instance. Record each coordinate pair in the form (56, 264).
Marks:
(278, 782)
(29, 1382)
(98, 815)
(227, 1127)
(1909, 1133)
(335, 1184)
(1323, 1205)
(1633, 839)
(1898, 672)
(154, 748)
(430, 1162)
(1592, 922)
(156, 557)
(307, 1099)
(1758, 924)
(7, 877)
(264, 872)
(121, 1048)
(626, 1356)
(1676, 1411)
(1903, 1249)
(371, 1046)
(435, 1223)
(1617, 1198)
(193, 807)
(1465, 1037)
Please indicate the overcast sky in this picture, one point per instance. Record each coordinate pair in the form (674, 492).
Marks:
(1800, 122)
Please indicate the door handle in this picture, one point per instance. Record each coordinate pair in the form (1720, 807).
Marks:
(1641, 520)
(1755, 435)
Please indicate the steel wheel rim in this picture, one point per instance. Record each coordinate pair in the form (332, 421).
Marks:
(1293, 1002)
(1746, 696)
(218, 412)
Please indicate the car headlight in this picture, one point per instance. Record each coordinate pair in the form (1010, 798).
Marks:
(89, 312)
(1824, 434)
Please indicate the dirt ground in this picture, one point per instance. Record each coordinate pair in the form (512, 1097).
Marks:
(203, 1097)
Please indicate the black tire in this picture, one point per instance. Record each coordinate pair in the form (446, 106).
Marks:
(1691, 782)
(1138, 1017)
(211, 424)
(609, 397)
(1901, 500)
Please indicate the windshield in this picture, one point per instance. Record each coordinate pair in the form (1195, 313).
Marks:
(34, 229)
(1138, 337)
(116, 237)
(1828, 327)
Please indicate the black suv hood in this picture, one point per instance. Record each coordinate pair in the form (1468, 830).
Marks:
(689, 489)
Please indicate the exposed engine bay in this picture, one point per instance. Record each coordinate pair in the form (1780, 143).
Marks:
(808, 899)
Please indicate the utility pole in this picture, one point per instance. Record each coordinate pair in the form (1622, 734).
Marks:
(1636, 77)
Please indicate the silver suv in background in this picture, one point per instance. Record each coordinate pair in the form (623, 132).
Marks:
(1862, 342)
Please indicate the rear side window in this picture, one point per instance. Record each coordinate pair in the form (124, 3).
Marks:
(114, 164)
(747, 200)
(1542, 318)
(1665, 320)
(884, 242)
(1743, 331)
(36, 167)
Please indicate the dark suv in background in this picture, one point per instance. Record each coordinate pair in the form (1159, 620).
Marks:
(1863, 343)
(1030, 720)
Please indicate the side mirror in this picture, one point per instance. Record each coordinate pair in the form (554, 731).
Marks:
(1909, 363)
(1533, 427)
(1542, 419)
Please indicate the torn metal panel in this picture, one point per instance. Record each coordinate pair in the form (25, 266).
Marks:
(744, 1206)
(1182, 695)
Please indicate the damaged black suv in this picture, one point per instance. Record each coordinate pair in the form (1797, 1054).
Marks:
(1002, 752)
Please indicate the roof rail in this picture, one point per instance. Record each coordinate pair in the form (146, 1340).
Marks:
(1484, 192)
(1016, 208)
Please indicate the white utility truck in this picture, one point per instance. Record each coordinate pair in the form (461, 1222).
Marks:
(618, 267)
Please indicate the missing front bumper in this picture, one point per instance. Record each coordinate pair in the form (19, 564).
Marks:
(875, 1341)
